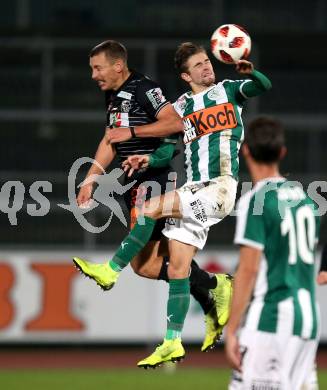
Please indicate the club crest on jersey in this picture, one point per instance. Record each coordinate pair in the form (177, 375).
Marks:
(156, 97)
(126, 106)
(214, 93)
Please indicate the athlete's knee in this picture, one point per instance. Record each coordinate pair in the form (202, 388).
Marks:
(178, 271)
(225, 196)
(152, 210)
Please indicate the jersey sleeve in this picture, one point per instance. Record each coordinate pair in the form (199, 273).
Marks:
(162, 156)
(250, 228)
(255, 85)
(150, 96)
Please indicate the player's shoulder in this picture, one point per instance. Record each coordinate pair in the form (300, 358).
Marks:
(244, 201)
(151, 89)
(263, 195)
(294, 192)
(144, 81)
(230, 84)
(226, 82)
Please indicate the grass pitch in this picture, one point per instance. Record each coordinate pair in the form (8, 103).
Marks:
(121, 379)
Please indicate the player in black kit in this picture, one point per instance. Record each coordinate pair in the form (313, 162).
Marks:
(134, 100)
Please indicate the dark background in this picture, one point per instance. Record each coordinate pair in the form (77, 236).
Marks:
(51, 113)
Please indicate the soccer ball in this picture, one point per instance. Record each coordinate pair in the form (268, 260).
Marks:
(230, 43)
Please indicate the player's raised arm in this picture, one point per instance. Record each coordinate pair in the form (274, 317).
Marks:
(258, 83)
(169, 122)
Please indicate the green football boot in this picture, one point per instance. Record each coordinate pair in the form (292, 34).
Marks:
(102, 274)
(222, 296)
(168, 351)
(213, 330)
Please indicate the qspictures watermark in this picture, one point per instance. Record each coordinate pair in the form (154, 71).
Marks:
(108, 186)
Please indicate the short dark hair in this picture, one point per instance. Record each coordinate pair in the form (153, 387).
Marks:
(265, 139)
(184, 52)
(112, 49)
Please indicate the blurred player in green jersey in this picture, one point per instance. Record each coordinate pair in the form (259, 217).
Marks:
(277, 230)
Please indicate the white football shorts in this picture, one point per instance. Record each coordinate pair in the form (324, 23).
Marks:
(204, 203)
(273, 361)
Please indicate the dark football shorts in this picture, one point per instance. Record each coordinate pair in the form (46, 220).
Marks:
(150, 183)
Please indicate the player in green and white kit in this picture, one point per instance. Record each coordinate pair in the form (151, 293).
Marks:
(213, 132)
(277, 229)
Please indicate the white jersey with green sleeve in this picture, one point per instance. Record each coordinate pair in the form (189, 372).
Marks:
(213, 127)
(279, 219)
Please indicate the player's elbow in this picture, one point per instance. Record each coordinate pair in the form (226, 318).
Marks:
(268, 85)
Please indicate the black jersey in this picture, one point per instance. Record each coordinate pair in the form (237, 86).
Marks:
(137, 102)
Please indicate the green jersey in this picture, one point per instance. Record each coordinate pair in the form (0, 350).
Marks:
(280, 220)
(213, 127)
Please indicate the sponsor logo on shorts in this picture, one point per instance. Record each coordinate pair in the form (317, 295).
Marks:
(194, 188)
(218, 207)
(209, 120)
(199, 211)
(171, 221)
(265, 384)
(156, 97)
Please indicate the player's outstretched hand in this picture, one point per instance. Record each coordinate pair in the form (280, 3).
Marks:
(322, 277)
(84, 197)
(244, 67)
(118, 134)
(134, 163)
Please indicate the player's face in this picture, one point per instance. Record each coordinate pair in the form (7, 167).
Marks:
(104, 72)
(200, 70)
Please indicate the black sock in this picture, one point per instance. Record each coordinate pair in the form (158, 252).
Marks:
(202, 296)
(202, 278)
(163, 273)
(200, 283)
